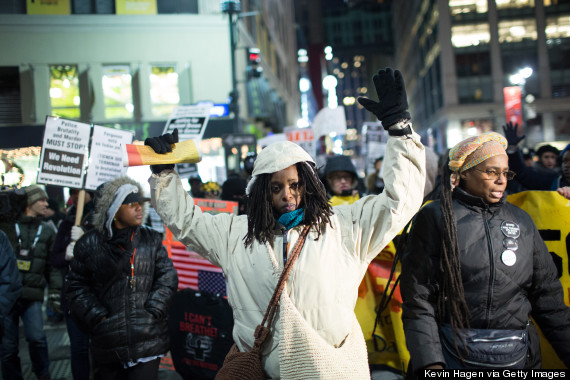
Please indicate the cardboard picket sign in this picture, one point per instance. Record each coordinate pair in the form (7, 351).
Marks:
(191, 121)
(64, 153)
(106, 161)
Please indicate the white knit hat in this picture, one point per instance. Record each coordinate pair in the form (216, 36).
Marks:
(276, 157)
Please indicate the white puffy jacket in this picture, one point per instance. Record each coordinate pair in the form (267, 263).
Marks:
(324, 281)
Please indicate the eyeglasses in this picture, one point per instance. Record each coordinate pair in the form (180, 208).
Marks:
(340, 177)
(494, 175)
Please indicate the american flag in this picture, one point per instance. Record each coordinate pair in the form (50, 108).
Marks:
(196, 272)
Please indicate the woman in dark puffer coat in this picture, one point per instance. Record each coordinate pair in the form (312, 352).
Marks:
(121, 285)
(475, 268)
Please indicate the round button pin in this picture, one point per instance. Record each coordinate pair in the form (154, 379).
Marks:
(509, 258)
(510, 229)
(510, 243)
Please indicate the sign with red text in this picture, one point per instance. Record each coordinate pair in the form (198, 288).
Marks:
(304, 137)
(64, 153)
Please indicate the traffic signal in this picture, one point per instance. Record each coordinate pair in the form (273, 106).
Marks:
(254, 70)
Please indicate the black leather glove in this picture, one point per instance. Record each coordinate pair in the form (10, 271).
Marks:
(511, 135)
(161, 145)
(392, 105)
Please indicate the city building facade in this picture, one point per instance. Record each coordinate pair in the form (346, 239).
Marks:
(128, 63)
(458, 57)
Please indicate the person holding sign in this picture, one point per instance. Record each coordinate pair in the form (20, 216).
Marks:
(285, 199)
(65, 241)
(475, 270)
(32, 240)
(120, 286)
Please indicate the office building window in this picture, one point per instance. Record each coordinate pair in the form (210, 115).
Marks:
(557, 27)
(558, 45)
(467, 6)
(517, 30)
(475, 89)
(473, 63)
(64, 91)
(470, 35)
(117, 91)
(510, 4)
(164, 94)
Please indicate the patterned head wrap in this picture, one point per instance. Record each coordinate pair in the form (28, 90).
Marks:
(474, 150)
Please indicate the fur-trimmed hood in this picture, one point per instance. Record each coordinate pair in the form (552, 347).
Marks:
(106, 197)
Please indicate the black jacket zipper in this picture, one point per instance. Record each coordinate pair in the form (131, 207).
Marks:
(491, 268)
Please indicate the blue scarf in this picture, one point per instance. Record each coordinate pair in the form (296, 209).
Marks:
(291, 219)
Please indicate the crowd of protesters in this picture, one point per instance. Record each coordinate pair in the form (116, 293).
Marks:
(473, 265)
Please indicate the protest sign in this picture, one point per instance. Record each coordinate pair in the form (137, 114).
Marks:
(375, 139)
(187, 170)
(191, 122)
(64, 153)
(304, 137)
(330, 120)
(106, 161)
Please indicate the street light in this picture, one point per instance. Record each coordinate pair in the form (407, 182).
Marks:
(232, 7)
(521, 76)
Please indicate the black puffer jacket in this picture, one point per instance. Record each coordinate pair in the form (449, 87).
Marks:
(498, 296)
(99, 286)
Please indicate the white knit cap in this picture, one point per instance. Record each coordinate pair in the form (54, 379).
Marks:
(276, 157)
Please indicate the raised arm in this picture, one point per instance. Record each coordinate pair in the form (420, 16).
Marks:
(208, 235)
(377, 219)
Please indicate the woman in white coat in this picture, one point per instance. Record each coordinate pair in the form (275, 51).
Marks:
(315, 334)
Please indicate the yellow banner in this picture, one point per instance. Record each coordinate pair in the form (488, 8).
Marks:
(135, 7)
(387, 344)
(48, 7)
(550, 212)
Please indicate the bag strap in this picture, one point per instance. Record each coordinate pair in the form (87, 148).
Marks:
(270, 312)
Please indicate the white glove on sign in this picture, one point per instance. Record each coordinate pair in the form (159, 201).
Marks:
(69, 251)
(76, 233)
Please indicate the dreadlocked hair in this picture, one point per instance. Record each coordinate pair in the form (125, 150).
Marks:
(451, 298)
(260, 215)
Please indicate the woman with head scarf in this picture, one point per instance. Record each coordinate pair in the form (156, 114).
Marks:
(285, 195)
(476, 267)
(120, 286)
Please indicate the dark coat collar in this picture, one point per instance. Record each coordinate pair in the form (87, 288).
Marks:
(477, 202)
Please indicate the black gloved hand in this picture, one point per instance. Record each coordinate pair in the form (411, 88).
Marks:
(392, 102)
(511, 135)
(161, 145)
(156, 313)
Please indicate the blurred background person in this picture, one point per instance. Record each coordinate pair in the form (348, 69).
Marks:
(547, 158)
(32, 240)
(65, 241)
(528, 156)
(233, 189)
(532, 178)
(211, 190)
(341, 180)
(196, 186)
(10, 283)
(374, 181)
